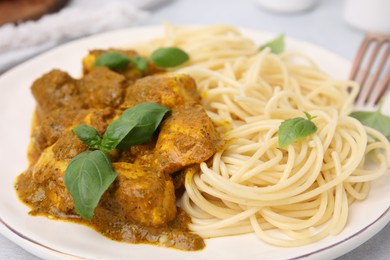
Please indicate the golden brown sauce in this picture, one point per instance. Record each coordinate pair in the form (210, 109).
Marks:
(115, 226)
(140, 206)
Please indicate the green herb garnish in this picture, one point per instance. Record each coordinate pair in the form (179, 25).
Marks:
(135, 126)
(276, 45)
(291, 130)
(88, 135)
(90, 173)
(162, 57)
(169, 57)
(140, 63)
(375, 120)
(87, 177)
(113, 60)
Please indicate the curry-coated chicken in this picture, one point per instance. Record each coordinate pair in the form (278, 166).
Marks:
(140, 204)
(140, 193)
(144, 194)
(56, 89)
(168, 90)
(130, 72)
(102, 87)
(43, 187)
(58, 122)
(186, 137)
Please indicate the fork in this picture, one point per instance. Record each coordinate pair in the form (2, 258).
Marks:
(373, 75)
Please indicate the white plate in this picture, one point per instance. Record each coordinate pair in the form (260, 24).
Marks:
(62, 240)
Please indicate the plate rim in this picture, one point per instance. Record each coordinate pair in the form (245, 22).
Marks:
(41, 250)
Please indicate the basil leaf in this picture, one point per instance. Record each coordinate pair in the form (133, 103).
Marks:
(309, 117)
(115, 133)
(294, 129)
(169, 57)
(375, 120)
(276, 45)
(88, 135)
(87, 177)
(140, 63)
(113, 60)
(135, 126)
(148, 116)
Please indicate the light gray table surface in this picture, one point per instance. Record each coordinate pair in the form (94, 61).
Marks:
(323, 26)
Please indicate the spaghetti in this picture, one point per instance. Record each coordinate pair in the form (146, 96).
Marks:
(291, 196)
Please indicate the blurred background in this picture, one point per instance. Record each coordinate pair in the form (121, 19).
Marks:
(30, 27)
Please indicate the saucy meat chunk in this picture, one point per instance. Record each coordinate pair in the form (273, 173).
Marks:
(144, 194)
(60, 121)
(139, 154)
(68, 146)
(186, 137)
(140, 204)
(139, 194)
(51, 126)
(42, 186)
(168, 90)
(102, 88)
(130, 72)
(56, 89)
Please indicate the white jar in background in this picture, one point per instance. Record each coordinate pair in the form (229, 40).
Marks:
(368, 15)
(287, 6)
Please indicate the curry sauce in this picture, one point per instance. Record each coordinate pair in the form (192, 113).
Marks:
(140, 205)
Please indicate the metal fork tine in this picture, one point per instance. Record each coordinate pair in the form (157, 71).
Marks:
(383, 87)
(373, 83)
(379, 69)
(371, 61)
(359, 57)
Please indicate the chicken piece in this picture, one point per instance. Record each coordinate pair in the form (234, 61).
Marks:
(169, 90)
(56, 89)
(51, 127)
(42, 186)
(131, 72)
(45, 177)
(68, 146)
(140, 194)
(97, 118)
(139, 154)
(57, 122)
(186, 137)
(102, 88)
(143, 194)
(90, 59)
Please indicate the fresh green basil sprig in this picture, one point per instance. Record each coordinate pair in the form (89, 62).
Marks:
(276, 45)
(376, 120)
(291, 130)
(135, 126)
(169, 57)
(90, 173)
(113, 60)
(89, 135)
(163, 57)
(87, 177)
